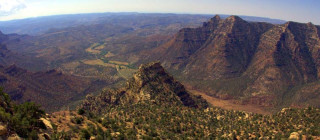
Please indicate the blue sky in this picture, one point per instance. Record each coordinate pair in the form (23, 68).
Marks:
(294, 10)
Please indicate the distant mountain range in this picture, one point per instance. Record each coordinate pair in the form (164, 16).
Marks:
(40, 25)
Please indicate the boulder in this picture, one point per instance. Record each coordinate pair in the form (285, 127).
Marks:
(294, 136)
(3, 130)
(44, 136)
(47, 123)
(14, 137)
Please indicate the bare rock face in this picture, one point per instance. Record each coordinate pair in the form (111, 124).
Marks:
(287, 56)
(294, 136)
(150, 84)
(14, 137)
(218, 49)
(3, 129)
(186, 42)
(47, 123)
(44, 136)
(258, 62)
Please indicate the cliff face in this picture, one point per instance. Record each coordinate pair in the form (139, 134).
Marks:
(187, 41)
(228, 51)
(218, 49)
(287, 55)
(256, 61)
(151, 84)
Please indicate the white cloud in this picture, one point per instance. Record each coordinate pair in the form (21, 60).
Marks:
(8, 7)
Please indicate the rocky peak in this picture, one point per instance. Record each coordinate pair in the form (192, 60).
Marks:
(213, 21)
(154, 82)
(2, 37)
(234, 18)
(310, 24)
(299, 28)
(231, 25)
(150, 84)
(216, 18)
(291, 24)
(148, 72)
(153, 67)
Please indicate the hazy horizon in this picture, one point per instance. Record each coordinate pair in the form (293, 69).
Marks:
(290, 10)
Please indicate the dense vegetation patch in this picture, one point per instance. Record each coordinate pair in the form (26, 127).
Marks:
(21, 118)
(169, 122)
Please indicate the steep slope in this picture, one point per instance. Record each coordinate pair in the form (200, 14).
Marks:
(287, 56)
(218, 49)
(152, 121)
(20, 119)
(229, 50)
(7, 57)
(150, 85)
(153, 106)
(51, 89)
(259, 63)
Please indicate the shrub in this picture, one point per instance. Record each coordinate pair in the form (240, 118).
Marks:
(84, 134)
(81, 111)
(22, 118)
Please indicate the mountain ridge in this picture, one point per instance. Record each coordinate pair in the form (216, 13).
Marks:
(151, 84)
(39, 25)
(254, 62)
(7, 57)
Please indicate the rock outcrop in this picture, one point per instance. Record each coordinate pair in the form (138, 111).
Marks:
(294, 136)
(14, 137)
(151, 84)
(3, 129)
